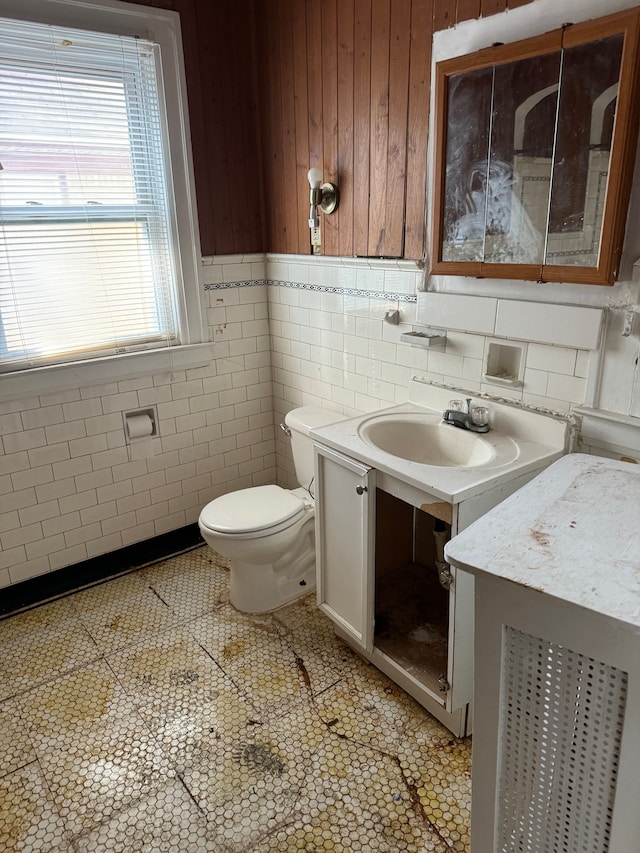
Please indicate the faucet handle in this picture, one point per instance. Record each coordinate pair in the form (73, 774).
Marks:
(480, 415)
(456, 405)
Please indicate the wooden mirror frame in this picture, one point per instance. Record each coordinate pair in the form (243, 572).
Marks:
(622, 156)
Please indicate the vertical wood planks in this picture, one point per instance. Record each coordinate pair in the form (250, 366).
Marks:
(299, 25)
(253, 131)
(330, 224)
(218, 46)
(195, 89)
(379, 142)
(400, 43)
(468, 10)
(418, 128)
(285, 30)
(211, 63)
(444, 14)
(492, 7)
(361, 125)
(271, 102)
(242, 167)
(276, 86)
(314, 81)
(346, 59)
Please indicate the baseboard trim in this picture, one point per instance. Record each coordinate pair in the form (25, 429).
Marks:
(54, 584)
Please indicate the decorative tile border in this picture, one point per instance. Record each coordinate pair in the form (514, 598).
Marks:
(225, 285)
(344, 291)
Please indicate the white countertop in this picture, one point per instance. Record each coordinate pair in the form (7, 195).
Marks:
(540, 439)
(573, 532)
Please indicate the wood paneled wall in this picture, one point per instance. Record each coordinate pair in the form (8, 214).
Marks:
(278, 86)
(221, 70)
(447, 13)
(345, 86)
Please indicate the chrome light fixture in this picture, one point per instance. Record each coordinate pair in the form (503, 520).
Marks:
(324, 196)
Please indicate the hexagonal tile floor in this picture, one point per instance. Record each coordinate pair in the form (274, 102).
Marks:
(146, 714)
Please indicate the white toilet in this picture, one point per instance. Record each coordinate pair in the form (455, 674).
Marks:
(268, 532)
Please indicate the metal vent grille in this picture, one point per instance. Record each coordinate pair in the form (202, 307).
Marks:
(561, 724)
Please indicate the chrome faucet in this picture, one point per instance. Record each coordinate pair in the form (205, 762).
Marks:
(475, 418)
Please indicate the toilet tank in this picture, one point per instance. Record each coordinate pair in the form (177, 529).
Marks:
(300, 421)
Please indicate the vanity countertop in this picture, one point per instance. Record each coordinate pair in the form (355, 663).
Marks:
(573, 532)
(539, 437)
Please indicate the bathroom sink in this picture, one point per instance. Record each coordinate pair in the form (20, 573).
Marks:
(427, 440)
(410, 443)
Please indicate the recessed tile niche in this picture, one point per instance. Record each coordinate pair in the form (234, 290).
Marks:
(505, 364)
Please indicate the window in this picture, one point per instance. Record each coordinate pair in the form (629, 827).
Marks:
(91, 262)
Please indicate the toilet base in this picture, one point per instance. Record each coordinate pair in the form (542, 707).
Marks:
(270, 570)
(259, 588)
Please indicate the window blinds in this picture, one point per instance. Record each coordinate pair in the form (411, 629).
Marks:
(86, 249)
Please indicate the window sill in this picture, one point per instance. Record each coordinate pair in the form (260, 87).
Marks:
(42, 380)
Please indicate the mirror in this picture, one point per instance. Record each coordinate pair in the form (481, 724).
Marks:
(535, 143)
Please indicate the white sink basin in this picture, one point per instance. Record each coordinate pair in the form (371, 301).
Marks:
(409, 442)
(427, 440)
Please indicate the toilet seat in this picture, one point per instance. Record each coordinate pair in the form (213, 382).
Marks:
(254, 512)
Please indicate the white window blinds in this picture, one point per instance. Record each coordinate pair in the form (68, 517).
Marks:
(86, 257)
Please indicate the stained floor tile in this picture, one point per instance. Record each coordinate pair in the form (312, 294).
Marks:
(121, 612)
(166, 820)
(190, 587)
(255, 655)
(183, 696)
(309, 633)
(46, 650)
(354, 796)
(255, 787)
(94, 751)
(28, 817)
(15, 745)
(146, 714)
(94, 777)
(87, 699)
(366, 708)
(44, 616)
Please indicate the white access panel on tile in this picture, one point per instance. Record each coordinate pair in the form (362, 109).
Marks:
(464, 313)
(563, 325)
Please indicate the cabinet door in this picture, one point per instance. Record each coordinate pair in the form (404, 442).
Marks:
(345, 505)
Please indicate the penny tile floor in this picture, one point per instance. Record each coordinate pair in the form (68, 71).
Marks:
(146, 714)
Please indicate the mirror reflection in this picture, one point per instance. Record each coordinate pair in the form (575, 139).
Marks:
(525, 179)
(588, 95)
(526, 147)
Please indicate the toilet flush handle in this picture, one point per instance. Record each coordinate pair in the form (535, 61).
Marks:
(285, 429)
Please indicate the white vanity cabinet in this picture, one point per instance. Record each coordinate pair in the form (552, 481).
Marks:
(368, 524)
(387, 501)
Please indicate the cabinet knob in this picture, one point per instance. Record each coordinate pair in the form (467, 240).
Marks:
(360, 490)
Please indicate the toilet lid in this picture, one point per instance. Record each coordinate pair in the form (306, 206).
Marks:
(252, 509)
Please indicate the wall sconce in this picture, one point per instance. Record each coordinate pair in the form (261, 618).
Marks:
(324, 196)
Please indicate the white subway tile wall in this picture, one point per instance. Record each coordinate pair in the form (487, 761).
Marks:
(72, 488)
(573, 325)
(451, 311)
(336, 350)
(560, 325)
